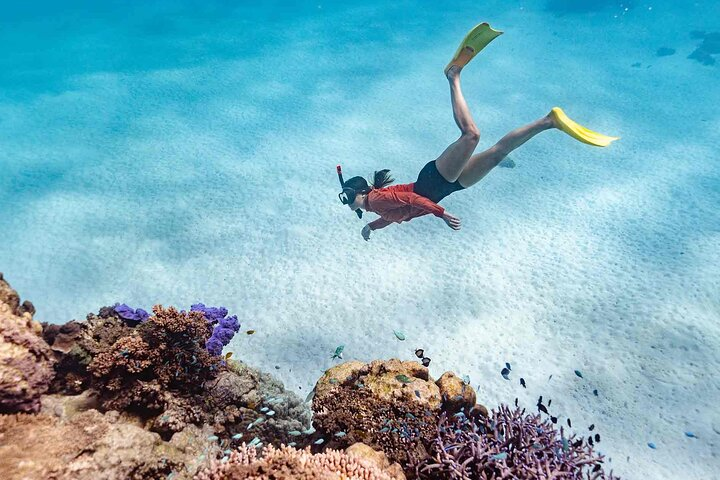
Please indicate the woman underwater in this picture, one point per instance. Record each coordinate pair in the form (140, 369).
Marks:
(456, 168)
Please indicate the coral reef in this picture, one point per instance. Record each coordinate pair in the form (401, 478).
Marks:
(139, 396)
(292, 464)
(26, 362)
(507, 444)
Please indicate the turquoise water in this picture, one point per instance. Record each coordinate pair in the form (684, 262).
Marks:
(175, 152)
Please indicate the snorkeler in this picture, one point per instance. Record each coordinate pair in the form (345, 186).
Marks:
(456, 168)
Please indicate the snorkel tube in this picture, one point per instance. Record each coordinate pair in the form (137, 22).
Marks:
(342, 184)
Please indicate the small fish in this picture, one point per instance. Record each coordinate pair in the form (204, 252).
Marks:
(591, 427)
(550, 377)
(250, 332)
(254, 441)
(212, 438)
(595, 392)
(539, 400)
(522, 382)
(264, 409)
(553, 419)
(340, 434)
(338, 352)
(237, 436)
(578, 373)
(385, 429)
(507, 365)
(259, 444)
(542, 408)
(402, 378)
(228, 355)
(426, 362)
(690, 434)
(292, 444)
(597, 437)
(516, 401)
(310, 395)
(500, 456)
(466, 379)
(504, 372)
(417, 393)
(309, 431)
(227, 452)
(295, 433)
(319, 441)
(399, 335)
(569, 423)
(590, 441)
(270, 413)
(419, 352)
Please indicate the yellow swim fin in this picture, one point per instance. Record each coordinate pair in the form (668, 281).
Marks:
(476, 39)
(579, 132)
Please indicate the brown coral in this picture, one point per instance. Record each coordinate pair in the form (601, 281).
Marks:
(26, 363)
(355, 414)
(288, 463)
(166, 353)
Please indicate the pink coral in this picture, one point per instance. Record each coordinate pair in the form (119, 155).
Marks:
(289, 463)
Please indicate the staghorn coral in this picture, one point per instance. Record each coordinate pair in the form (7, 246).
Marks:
(288, 463)
(26, 362)
(507, 444)
(165, 353)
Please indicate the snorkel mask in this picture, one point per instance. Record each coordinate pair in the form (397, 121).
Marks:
(347, 196)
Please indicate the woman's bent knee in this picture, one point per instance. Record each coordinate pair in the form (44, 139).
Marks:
(471, 135)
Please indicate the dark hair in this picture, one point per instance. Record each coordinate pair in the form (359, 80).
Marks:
(380, 179)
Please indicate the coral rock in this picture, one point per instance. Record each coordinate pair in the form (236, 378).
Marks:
(455, 393)
(376, 458)
(26, 362)
(91, 445)
(381, 378)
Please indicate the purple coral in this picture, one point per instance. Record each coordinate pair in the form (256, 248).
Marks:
(508, 444)
(131, 316)
(225, 327)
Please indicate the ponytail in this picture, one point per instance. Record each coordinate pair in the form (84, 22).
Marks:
(382, 178)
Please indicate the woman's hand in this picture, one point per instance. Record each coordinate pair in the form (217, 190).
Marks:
(451, 220)
(366, 232)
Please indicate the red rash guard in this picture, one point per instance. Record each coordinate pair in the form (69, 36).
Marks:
(398, 203)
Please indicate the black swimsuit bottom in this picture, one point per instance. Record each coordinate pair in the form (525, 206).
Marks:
(430, 184)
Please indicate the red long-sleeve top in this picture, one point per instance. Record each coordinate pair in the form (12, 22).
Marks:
(398, 203)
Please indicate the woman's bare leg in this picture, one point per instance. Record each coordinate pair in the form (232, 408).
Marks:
(480, 164)
(452, 161)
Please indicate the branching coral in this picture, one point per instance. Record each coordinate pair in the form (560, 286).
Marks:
(288, 463)
(507, 444)
(164, 353)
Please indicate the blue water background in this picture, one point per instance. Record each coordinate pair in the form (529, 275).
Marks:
(174, 152)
